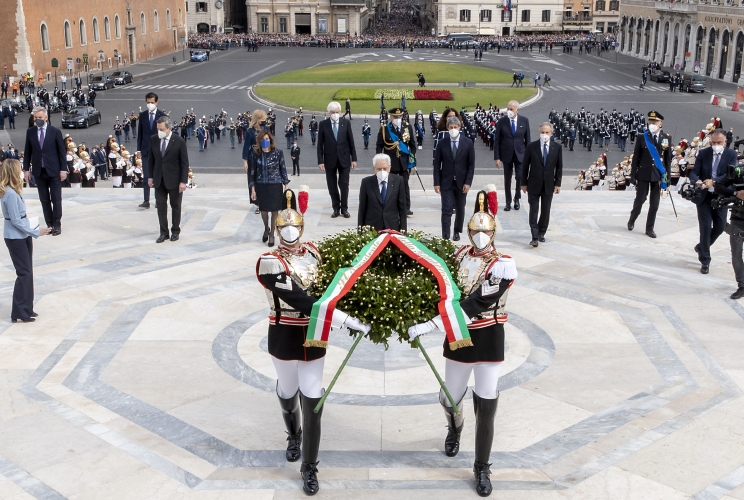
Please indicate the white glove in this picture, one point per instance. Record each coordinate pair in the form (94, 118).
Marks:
(341, 319)
(355, 324)
(424, 328)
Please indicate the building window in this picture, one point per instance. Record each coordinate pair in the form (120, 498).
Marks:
(156, 21)
(546, 16)
(600, 27)
(282, 25)
(187, 6)
(600, 6)
(180, 16)
(201, 6)
(465, 16)
(44, 37)
(143, 26)
(526, 16)
(83, 35)
(68, 35)
(96, 31)
(506, 16)
(167, 19)
(264, 25)
(117, 26)
(107, 28)
(614, 4)
(485, 16)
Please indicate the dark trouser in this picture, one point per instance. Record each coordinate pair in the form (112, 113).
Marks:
(161, 198)
(145, 176)
(539, 203)
(102, 171)
(642, 192)
(313, 136)
(453, 198)
(337, 179)
(296, 167)
(23, 293)
(50, 197)
(621, 141)
(515, 166)
(709, 233)
(406, 176)
(737, 245)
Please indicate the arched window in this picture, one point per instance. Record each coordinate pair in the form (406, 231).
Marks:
(156, 21)
(44, 37)
(83, 36)
(68, 35)
(143, 28)
(107, 28)
(117, 26)
(96, 31)
(167, 19)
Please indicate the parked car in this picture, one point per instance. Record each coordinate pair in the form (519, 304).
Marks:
(199, 55)
(693, 83)
(122, 77)
(101, 83)
(660, 76)
(81, 117)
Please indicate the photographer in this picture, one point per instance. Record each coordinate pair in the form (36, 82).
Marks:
(731, 189)
(710, 168)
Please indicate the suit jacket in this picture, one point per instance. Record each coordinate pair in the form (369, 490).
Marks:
(449, 170)
(331, 150)
(371, 212)
(144, 132)
(53, 154)
(642, 167)
(507, 145)
(703, 168)
(169, 169)
(538, 176)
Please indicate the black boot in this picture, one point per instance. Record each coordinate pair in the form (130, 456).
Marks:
(454, 424)
(310, 444)
(485, 412)
(292, 420)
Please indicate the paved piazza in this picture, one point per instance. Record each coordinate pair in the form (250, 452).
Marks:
(147, 375)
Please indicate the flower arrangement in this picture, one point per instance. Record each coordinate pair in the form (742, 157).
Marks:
(394, 94)
(432, 95)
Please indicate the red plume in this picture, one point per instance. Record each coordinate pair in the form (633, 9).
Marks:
(302, 199)
(493, 199)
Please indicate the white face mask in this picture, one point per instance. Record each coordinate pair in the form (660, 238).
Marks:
(545, 137)
(290, 234)
(511, 114)
(717, 149)
(396, 122)
(481, 240)
(162, 134)
(453, 132)
(653, 128)
(151, 106)
(382, 175)
(334, 116)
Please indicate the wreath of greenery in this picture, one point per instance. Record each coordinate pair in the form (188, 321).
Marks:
(395, 292)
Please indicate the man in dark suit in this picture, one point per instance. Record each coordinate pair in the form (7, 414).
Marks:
(644, 172)
(710, 168)
(146, 128)
(511, 138)
(398, 140)
(337, 157)
(382, 201)
(45, 153)
(169, 173)
(543, 169)
(454, 167)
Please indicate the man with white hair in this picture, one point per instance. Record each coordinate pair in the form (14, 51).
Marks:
(511, 137)
(337, 157)
(382, 198)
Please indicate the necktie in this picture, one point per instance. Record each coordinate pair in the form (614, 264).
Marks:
(454, 149)
(383, 192)
(514, 127)
(152, 121)
(163, 145)
(41, 144)
(335, 130)
(545, 154)
(716, 160)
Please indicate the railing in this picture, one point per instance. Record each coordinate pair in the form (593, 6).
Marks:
(579, 18)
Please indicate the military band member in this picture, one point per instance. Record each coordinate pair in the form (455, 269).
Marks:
(313, 127)
(73, 166)
(366, 132)
(286, 273)
(485, 277)
(115, 164)
(397, 139)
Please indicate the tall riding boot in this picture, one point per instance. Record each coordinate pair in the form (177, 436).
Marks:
(485, 412)
(292, 420)
(455, 421)
(310, 444)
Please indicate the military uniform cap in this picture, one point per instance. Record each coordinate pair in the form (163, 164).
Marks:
(395, 112)
(654, 115)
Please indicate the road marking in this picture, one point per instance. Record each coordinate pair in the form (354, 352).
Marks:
(374, 54)
(390, 55)
(407, 57)
(252, 75)
(197, 87)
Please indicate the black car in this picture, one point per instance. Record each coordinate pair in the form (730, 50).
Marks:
(122, 77)
(81, 117)
(660, 76)
(101, 83)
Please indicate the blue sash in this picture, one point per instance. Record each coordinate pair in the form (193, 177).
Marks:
(402, 147)
(657, 160)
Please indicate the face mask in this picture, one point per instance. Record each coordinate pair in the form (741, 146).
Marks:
(481, 240)
(39, 122)
(453, 132)
(717, 149)
(265, 143)
(511, 114)
(162, 134)
(382, 175)
(152, 106)
(334, 116)
(290, 234)
(545, 137)
(653, 128)
(396, 122)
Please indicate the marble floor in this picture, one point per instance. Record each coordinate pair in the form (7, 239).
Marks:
(146, 375)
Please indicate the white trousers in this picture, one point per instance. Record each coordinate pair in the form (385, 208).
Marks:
(307, 376)
(456, 376)
(117, 180)
(75, 185)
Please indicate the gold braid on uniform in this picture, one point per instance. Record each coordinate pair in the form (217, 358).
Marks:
(390, 145)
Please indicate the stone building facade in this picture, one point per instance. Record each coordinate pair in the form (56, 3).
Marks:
(205, 16)
(322, 18)
(40, 32)
(703, 37)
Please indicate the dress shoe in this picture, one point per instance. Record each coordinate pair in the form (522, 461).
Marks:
(650, 233)
(346, 214)
(22, 320)
(258, 210)
(409, 213)
(144, 204)
(335, 214)
(631, 225)
(56, 231)
(697, 250)
(704, 269)
(738, 294)
(34, 315)
(456, 237)
(516, 205)
(161, 238)
(541, 238)
(174, 237)
(507, 208)
(533, 243)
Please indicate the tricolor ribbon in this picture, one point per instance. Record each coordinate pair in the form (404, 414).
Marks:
(449, 308)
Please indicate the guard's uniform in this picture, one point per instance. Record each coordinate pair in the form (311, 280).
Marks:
(399, 160)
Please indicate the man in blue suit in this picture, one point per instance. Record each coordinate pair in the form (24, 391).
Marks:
(511, 138)
(146, 127)
(710, 168)
(45, 153)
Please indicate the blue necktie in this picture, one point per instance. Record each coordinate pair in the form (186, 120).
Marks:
(514, 127)
(335, 130)
(716, 160)
(383, 192)
(545, 154)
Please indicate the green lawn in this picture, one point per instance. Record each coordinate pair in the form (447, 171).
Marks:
(317, 98)
(393, 72)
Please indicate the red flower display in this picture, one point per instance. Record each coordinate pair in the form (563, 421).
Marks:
(432, 95)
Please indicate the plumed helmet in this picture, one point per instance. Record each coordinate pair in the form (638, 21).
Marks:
(114, 146)
(485, 209)
(290, 216)
(84, 155)
(124, 153)
(71, 146)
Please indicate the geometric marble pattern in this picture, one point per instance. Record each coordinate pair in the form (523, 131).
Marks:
(146, 375)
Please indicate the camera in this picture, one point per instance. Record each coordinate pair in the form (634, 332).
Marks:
(690, 191)
(735, 171)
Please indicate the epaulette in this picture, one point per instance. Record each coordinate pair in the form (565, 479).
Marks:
(503, 268)
(270, 263)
